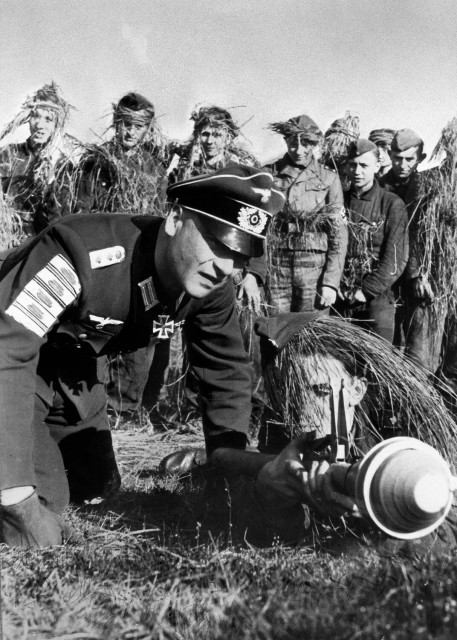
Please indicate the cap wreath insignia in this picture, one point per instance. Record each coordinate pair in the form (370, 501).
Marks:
(252, 219)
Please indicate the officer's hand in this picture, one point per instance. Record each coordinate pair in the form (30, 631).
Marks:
(294, 478)
(30, 524)
(421, 289)
(250, 290)
(358, 297)
(326, 296)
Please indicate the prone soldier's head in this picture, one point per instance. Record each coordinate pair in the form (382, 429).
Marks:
(318, 368)
(407, 152)
(133, 119)
(215, 224)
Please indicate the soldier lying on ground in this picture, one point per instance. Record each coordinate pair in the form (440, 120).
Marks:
(91, 285)
(307, 362)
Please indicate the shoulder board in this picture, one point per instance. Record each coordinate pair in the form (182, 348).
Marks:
(106, 257)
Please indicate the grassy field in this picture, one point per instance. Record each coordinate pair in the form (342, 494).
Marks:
(146, 568)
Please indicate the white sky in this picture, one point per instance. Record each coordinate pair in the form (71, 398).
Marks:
(392, 62)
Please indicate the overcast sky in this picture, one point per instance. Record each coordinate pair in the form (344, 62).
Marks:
(391, 62)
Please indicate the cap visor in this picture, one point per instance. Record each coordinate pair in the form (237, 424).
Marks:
(235, 239)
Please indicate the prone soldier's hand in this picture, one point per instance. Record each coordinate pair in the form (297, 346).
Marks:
(30, 524)
(279, 483)
(294, 478)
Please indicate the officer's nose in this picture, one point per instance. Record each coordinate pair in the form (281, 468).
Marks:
(223, 267)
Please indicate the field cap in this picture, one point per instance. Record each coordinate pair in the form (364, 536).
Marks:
(405, 139)
(382, 136)
(300, 125)
(133, 106)
(236, 205)
(359, 147)
(276, 331)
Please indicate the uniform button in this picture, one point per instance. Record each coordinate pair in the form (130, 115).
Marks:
(82, 336)
(118, 255)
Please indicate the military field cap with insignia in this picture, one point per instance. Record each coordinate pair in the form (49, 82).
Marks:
(359, 147)
(382, 136)
(134, 106)
(405, 139)
(236, 205)
(300, 125)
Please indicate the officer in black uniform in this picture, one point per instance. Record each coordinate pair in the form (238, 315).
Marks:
(91, 285)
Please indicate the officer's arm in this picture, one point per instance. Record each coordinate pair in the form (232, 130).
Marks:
(34, 292)
(217, 355)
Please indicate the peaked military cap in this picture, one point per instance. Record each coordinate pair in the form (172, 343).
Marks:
(236, 205)
(382, 136)
(299, 125)
(405, 139)
(360, 146)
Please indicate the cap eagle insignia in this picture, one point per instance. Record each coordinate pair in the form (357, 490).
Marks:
(265, 194)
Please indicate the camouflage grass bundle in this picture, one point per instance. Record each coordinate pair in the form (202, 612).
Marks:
(337, 139)
(360, 261)
(11, 232)
(124, 185)
(436, 229)
(399, 392)
(193, 160)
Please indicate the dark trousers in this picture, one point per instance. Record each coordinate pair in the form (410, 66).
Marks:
(73, 452)
(377, 316)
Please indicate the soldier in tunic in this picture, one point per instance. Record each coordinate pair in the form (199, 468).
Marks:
(91, 285)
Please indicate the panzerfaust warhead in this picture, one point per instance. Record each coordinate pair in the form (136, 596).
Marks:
(402, 485)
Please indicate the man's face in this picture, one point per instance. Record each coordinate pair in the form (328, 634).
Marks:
(196, 262)
(42, 124)
(324, 377)
(362, 170)
(213, 141)
(404, 163)
(130, 134)
(300, 149)
(384, 156)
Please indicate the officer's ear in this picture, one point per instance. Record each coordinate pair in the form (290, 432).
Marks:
(173, 221)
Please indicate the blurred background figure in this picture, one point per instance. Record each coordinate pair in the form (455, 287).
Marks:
(127, 173)
(383, 140)
(34, 172)
(308, 239)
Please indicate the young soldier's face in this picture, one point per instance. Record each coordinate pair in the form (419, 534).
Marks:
(405, 162)
(213, 141)
(384, 156)
(130, 134)
(324, 377)
(42, 124)
(300, 149)
(197, 262)
(362, 170)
